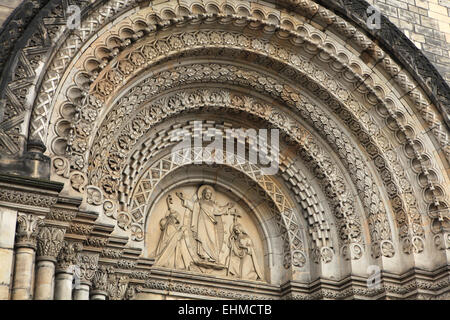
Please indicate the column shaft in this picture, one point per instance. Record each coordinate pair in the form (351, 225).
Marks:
(8, 220)
(23, 273)
(45, 279)
(63, 285)
(98, 295)
(81, 292)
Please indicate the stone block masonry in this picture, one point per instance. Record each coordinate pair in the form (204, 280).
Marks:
(426, 23)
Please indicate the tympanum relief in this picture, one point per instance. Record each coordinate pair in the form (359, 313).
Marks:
(198, 229)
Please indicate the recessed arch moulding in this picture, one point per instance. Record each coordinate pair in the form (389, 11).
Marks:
(363, 157)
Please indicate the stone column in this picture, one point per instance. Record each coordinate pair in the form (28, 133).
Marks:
(81, 292)
(27, 230)
(66, 266)
(8, 220)
(63, 285)
(87, 266)
(50, 241)
(98, 295)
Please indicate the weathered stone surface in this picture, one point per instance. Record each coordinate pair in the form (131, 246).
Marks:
(224, 149)
(8, 219)
(6, 271)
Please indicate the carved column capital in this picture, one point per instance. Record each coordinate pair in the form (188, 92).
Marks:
(27, 229)
(49, 242)
(68, 254)
(87, 266)
(117, 286)
(100, 279)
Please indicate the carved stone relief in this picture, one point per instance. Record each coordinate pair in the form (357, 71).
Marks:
(126, 67)
(198, 229)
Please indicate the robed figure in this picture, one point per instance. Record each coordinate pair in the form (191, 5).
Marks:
(242, 261)
(172, 251)
(206, 224)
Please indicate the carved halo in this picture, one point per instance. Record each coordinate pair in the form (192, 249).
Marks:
(203, 188)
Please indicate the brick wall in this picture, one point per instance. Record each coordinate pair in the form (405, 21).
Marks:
(426, 23)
